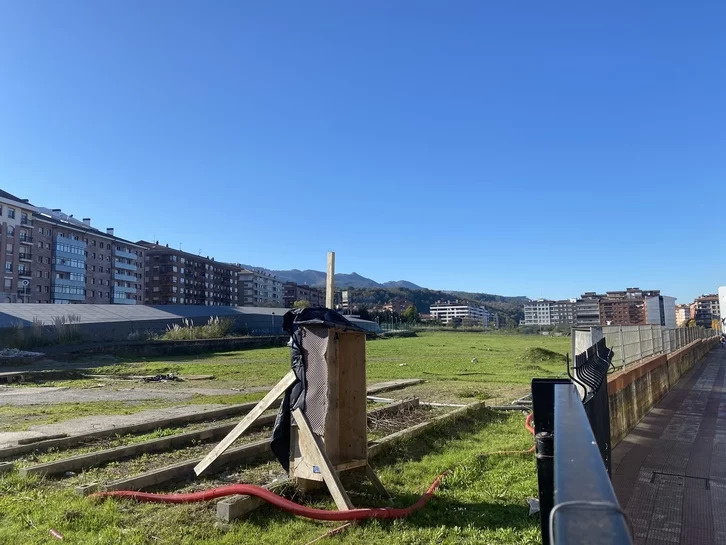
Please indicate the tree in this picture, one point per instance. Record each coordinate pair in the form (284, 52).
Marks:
(302, 303)
(410, 314)
(364, 314)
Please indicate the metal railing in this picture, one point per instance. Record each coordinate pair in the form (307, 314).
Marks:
(637, 342)
(577, 500)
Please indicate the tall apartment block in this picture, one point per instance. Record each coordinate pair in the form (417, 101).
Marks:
(177, 277)
(76, 263)
(260, 289)
(546, 312)
(16, 248)
(296, 292)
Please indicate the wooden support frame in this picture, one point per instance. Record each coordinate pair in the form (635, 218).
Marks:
(316, 451)
(279, 389)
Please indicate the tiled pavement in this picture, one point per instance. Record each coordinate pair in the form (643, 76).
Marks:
(669, 473)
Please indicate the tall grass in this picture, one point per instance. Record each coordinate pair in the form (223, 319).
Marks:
(65, 328)
(215, 328)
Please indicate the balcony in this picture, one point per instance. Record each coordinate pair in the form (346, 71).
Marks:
(125, 255)
(26, 221)
(25, 257)
(123, 301)
(27, 239)
(121, 265)
(25, 273)
(125, 277)
(124, 289)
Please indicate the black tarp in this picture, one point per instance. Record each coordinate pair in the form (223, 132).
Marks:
(295, 394)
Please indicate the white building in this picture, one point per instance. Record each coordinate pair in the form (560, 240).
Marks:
(460, 311)
(260, 289)
(546, 312)
(661, 310)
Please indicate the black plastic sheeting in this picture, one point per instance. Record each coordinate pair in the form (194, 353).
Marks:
(295, 394)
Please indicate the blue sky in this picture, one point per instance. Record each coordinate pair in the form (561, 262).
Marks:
(539, 149)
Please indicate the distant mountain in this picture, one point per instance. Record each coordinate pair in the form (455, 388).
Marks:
(402, 284)
(342, 280)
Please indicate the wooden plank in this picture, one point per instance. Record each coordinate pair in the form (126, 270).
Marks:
(92, 459)
(149, 425)
(185, 470)
(279, 389)
(393, 408)
(393, 385)
(29, 440)
(313, 444)
(351, 416)
(330, 282)
(234, 507)
(376, 482)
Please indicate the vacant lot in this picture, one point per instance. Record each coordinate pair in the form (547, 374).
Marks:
(483, 499)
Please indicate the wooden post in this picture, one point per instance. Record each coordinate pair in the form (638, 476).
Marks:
(330, 284)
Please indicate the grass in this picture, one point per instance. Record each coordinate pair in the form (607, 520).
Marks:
(483, 500)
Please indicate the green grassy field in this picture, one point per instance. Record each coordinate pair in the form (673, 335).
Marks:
(483, 499)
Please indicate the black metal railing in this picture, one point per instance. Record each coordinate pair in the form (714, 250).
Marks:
(572, 426)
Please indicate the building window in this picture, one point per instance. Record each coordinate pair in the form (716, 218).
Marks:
(11, 212)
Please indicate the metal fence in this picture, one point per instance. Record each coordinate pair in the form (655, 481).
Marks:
(636, 342)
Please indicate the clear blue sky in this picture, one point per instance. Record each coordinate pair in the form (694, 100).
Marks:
(528, 148)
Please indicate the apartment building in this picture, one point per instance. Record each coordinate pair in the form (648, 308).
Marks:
(296, 292)
(538, 312)
(683, 314)
(460, 312)
(587, 309)
(177, 277)
(398, 305)
(16, 242)
(74, 262)
(546, 312)
(260, 289)
(707, 309)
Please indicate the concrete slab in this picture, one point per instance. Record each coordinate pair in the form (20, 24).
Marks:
(669, 473)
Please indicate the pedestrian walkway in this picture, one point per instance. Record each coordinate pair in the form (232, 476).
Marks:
(669, 473)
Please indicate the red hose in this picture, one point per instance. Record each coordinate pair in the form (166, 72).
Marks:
(274, 499)
(528, 425)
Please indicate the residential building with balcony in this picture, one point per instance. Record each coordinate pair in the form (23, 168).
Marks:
(707, 309)
(177, 277)
(587, 309)
(16, 241)
(297, 292)
(260, 289)
(74, 262)
(547, 312)
(459, 312)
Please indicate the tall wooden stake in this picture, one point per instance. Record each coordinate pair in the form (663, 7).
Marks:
(330, 284)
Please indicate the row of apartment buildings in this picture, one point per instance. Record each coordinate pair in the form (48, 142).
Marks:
(632, 306)
(52, 257)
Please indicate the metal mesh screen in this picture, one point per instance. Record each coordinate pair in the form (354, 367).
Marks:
(315, 346)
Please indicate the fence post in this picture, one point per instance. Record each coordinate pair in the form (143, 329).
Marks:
(622, 347)
(640, 343)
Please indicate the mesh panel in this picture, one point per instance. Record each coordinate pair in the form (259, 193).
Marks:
(315, 345)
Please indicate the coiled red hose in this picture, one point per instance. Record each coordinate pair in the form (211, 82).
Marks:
(274, 499)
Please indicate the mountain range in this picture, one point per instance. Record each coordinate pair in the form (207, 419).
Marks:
(316, 279)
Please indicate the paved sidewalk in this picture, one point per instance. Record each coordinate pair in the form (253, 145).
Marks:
(669, 473)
